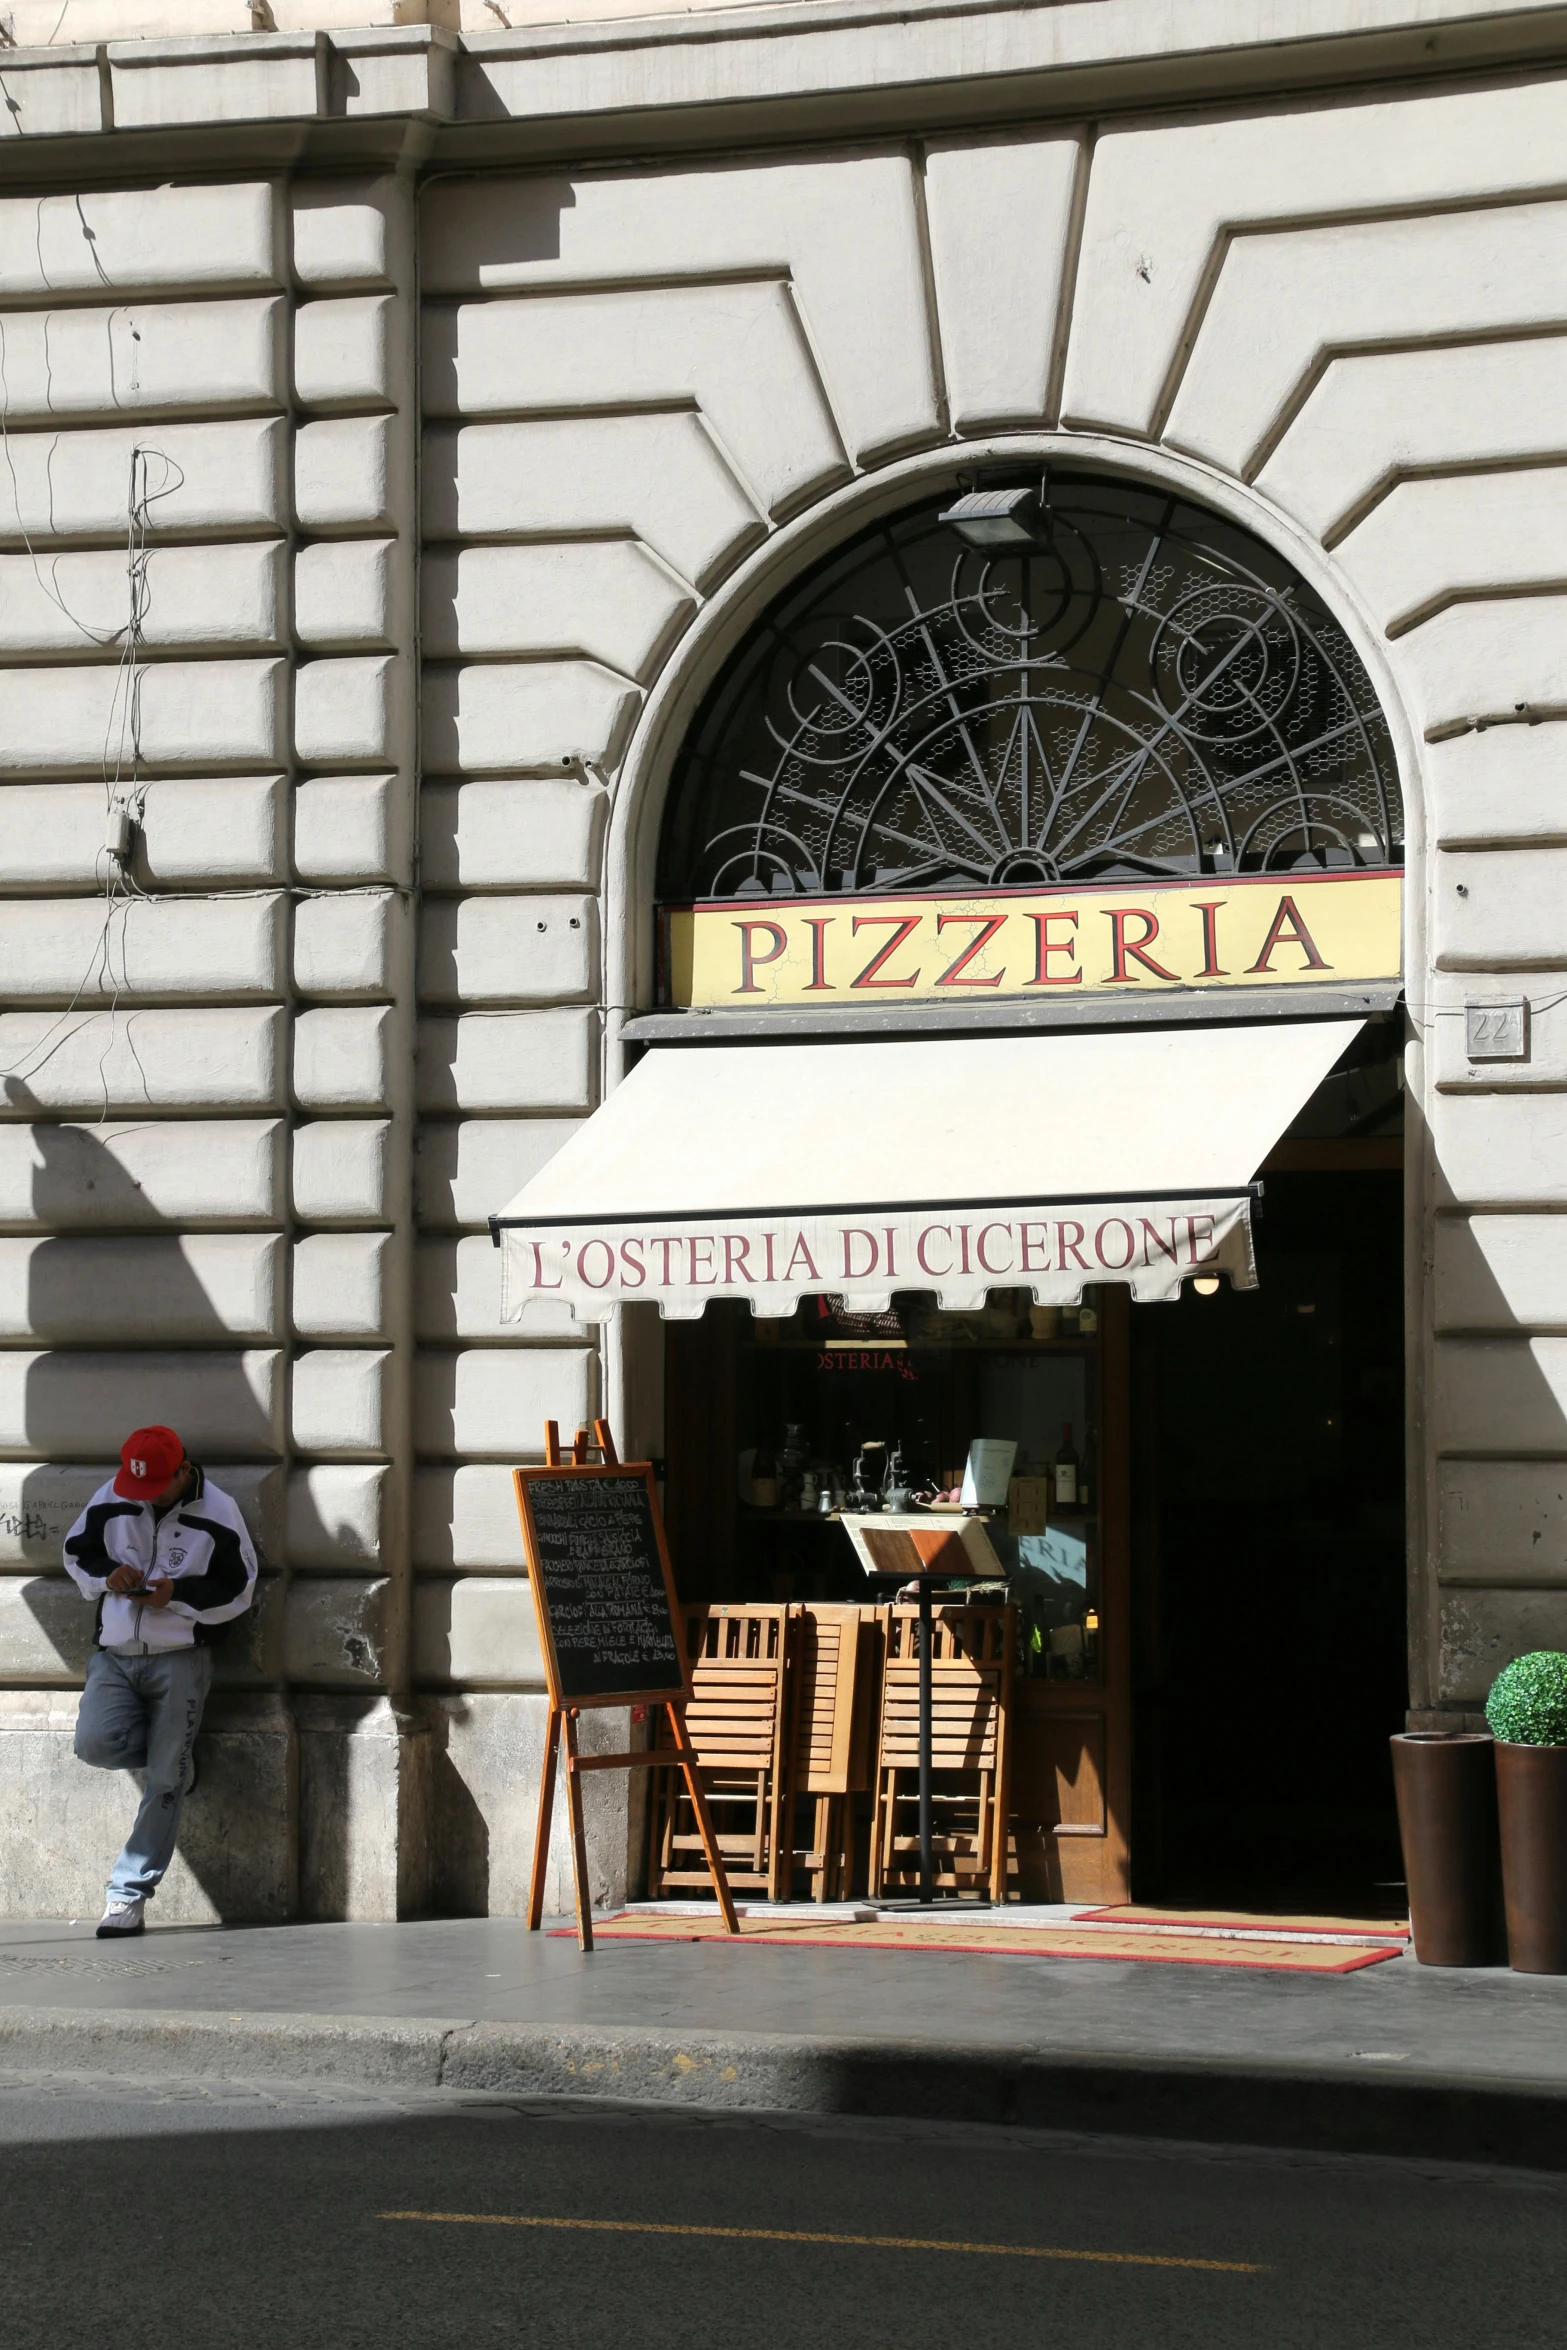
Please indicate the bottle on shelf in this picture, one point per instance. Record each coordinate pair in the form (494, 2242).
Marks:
(764, 1478)
(791, 1463)
(1088, 1477)
(1066, 1470)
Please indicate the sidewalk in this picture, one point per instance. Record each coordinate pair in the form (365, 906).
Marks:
(1396, 2058)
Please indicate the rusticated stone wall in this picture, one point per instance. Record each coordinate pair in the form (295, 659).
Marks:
(351, 537)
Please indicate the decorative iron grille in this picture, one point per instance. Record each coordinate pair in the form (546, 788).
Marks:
(1147, 690)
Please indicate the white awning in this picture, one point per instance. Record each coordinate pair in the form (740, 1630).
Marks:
(959, 1165)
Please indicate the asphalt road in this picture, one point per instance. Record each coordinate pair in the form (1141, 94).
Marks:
(210, 2216)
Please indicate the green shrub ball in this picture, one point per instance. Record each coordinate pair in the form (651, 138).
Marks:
(1528, 1701)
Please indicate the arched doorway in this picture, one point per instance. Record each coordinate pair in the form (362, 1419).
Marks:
(1119, 749)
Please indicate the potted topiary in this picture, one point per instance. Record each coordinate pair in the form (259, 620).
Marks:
(1527, 1711)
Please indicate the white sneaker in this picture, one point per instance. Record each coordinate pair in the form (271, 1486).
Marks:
(122, 1917)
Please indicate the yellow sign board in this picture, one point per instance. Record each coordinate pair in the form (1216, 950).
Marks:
(1253, 930)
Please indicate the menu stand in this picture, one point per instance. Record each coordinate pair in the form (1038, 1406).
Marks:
(556, 1564)
(927, 1889)
(924, 1553)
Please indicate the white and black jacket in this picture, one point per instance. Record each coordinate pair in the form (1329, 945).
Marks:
(201, 1544)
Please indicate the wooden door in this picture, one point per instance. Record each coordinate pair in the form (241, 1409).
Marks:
(1071, 1770)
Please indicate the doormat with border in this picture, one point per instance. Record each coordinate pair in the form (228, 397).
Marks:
(1240, 1921)
(1154, 1946)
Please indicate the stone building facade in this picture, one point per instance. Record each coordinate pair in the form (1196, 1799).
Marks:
(400, 425)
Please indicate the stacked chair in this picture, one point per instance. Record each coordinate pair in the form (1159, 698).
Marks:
(737, 1720)
(839, 1656)
(798, 1711)
(971, 1706)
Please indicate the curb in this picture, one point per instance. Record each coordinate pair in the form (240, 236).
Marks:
(378, 2052)
(1326, 2108)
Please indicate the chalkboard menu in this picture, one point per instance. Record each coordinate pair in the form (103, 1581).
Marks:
(601, 1584)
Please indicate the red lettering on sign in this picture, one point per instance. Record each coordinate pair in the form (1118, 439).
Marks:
(900, 925)
(919, 1250)
(1033, 1263)
(800, 1250)
(1296, 936)
(584, 1276)
(634, 1270)
(989, 925)
(750, 961)
(981, 1237)
(1074, 1245)
(1192, 1223)
(1152, 1238)
(1045, 946)
(737, 1250)
(1122, 946)
(851, 1359)
(704, 1242)
(667, 1246)
(891, 1265)
(1209, 910)
(539, 1281)
(1115, 1264)
(850, 1233)
(817, 924)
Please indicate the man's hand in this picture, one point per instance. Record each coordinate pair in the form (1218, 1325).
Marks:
(128, 1580)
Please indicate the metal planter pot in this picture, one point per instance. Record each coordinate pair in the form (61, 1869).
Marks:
(1446, 1789)
(1531, 1786)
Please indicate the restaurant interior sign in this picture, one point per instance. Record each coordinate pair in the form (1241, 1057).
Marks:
(1275, 930)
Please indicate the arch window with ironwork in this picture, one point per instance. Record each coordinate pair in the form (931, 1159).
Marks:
(1089, 680)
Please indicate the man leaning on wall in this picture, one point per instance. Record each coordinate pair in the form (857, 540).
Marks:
(164, 1554)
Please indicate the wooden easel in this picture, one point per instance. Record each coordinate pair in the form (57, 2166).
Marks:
(565, 1709)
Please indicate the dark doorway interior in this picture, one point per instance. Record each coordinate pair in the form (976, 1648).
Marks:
(1268, 1563)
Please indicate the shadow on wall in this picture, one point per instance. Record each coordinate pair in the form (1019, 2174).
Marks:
(526, 225)
(459, 1885)
(124, 1332)
(1498, 1421)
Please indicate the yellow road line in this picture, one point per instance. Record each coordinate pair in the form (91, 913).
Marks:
(664, 2227)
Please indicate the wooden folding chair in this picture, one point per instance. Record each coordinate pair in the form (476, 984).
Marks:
(736, 1720)
(971, 1705)
(829, 1740)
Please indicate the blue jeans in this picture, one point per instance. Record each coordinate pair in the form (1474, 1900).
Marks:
(143, 1712)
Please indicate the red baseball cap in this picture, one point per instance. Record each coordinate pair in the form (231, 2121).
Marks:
(150, 1458)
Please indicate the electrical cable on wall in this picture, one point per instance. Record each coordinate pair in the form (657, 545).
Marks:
(124, 789)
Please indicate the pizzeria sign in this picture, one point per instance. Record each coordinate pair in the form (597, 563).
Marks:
(1295, 930)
